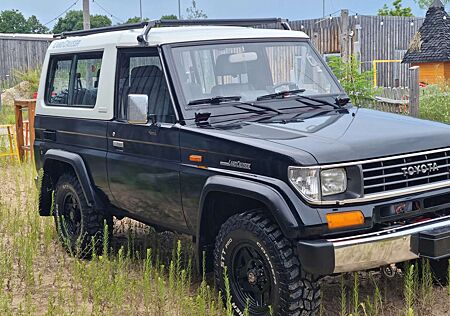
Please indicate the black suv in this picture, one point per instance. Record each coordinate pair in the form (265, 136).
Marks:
(244, 139)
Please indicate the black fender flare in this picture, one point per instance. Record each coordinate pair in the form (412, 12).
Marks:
(80, 170)
(270, 197)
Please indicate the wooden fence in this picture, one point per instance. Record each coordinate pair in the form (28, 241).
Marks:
(394, 100)
(21, 52)
(370, 37)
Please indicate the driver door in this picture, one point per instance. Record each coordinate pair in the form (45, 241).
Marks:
(143, 159)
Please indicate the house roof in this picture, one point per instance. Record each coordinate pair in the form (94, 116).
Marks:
(432, 42)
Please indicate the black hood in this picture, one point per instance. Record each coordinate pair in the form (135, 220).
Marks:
(356, 134)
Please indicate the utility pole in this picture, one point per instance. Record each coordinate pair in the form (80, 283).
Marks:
(345, 38)
(86, 15)
(323, 8)
(179, 9)
(140, 9)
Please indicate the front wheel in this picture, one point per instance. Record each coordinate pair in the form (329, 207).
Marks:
(264, 274)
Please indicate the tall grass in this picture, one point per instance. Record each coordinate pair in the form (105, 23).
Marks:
(7, 115)
(140, 272)
(435, 103)
(38, 277)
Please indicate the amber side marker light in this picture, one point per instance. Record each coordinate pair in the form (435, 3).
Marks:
(345, 219)
(195, 158)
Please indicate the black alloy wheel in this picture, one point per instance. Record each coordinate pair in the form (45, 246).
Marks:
(251, 278)
(264, 274)
(80, 227)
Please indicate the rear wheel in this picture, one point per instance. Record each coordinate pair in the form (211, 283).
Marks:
(264, 274)
(79, 226)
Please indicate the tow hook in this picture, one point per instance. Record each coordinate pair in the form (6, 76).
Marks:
(390, 270)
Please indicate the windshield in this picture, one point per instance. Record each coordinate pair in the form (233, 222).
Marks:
(251, 70)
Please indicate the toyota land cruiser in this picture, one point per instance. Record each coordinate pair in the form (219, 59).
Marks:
(243, 138)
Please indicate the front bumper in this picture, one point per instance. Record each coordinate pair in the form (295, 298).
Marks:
(429, 239)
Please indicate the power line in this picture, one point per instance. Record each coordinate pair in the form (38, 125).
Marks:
(73, 4)
(108, 12)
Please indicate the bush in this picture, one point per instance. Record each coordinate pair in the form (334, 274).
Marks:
(32, 76)
(435, 103)
(358, 85)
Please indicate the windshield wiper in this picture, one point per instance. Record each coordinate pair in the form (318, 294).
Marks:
(280, 95)
(263, 107)
(215, 100)
(339, 102)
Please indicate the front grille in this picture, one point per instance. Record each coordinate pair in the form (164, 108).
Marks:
(421, 168)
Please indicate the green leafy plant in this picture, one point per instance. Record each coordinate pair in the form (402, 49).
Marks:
(73, 21)
(397, 10)
(32, 76)
(357, 84)
(13, 21)
(409, 288)
(435, 103)
(425, 4)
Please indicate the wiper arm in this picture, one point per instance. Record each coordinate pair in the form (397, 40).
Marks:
(215, 100)
(339, 102)
(264, 107)
(280, 95)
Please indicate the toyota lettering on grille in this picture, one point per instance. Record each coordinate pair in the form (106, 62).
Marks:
(420, 169)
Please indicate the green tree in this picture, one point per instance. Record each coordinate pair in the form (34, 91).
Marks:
(169, 17)
(13, 21)
(397, 10)
(135, 19)
(425, 4)
(357, 84)
(73, 21)
(193, 12)
(34, 26)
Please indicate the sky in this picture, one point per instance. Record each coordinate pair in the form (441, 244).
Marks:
(47, 10)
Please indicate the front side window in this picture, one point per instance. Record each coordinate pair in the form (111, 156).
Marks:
(73, 80)
(140, 72)
(250, 70)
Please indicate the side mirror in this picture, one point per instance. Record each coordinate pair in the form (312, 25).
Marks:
(137, 109)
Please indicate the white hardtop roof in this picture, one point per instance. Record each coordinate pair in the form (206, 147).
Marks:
(167, 35)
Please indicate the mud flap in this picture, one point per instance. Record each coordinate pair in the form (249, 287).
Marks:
(45, 195)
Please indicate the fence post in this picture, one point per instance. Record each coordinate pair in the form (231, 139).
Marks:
(19, 129)
(345, 36)
(414, 91)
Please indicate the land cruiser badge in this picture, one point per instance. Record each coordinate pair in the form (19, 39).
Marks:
(236, 164)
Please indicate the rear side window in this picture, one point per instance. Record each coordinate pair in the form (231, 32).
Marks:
(73, 80)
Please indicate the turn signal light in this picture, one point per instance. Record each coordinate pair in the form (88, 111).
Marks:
(195, 158)
(345, 219)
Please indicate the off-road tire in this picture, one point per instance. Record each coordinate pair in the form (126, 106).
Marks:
(87, 236)
(294, 291)
(439, 270)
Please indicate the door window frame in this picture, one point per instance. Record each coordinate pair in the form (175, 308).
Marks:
(149, 52)
(50, 78)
